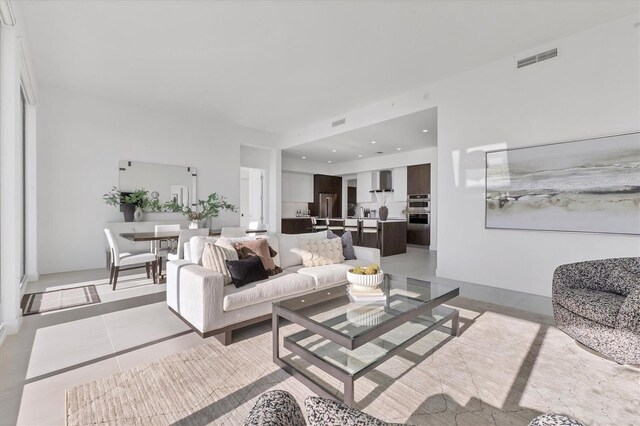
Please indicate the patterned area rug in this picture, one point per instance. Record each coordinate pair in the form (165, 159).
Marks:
(47, 301)
(506, 367)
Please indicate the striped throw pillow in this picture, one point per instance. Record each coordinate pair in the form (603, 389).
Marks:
(214, 258)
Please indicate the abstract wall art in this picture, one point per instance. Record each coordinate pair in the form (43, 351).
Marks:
(590, 185)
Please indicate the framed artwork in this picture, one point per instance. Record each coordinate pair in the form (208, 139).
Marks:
(590, 185)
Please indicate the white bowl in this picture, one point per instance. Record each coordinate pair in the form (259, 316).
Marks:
(365, 280)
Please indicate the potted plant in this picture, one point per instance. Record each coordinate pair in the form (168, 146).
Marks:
(211, 207)
(130, 203)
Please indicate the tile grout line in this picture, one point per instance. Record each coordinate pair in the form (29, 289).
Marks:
(113, 348)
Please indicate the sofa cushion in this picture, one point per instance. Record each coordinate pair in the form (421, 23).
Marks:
(327, 275)
(289, 247)
(275, 287)
(598, 306)
(214, 257)
(629, 316)
(317, 252)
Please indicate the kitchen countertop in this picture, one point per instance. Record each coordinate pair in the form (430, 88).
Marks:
(299, 217)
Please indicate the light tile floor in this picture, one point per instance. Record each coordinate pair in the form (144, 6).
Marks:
(132, 325)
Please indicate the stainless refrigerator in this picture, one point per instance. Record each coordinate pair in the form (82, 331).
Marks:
(328, 205)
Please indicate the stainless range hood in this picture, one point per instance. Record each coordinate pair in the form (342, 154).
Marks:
(383, 181)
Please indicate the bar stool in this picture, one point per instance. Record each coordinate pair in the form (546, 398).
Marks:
(353, 226)
(318, 224)
(369, 233)
(336, 225)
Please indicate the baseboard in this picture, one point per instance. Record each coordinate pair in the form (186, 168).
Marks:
(9, 327)
(3, 333)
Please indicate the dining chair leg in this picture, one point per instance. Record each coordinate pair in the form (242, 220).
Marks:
(153, 270)
(147, 266)
(115, 276)
(159, 268)
(111, 269)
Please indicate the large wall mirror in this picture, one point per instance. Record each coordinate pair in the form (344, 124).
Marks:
(164, 182)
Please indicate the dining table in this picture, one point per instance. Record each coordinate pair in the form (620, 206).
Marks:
(154, 238)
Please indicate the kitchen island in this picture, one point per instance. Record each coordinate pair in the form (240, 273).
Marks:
(392, 237)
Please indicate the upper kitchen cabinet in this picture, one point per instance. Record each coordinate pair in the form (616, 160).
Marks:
(297, 188)
(365, 184)
(419, 179)
(400, 184)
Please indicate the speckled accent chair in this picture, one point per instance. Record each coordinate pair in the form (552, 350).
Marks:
(598, 303)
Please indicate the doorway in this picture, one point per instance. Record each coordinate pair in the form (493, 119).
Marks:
(251, 197)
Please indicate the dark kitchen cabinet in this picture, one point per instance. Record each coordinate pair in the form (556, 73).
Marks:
(296, 226)
(419, 179)
(324, 184)
(419, 236)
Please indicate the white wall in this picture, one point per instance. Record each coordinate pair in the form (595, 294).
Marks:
(267, 159)
(15, 72)
(591, 89)
(82, 138)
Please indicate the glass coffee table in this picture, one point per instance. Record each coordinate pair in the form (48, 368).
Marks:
(348, 339)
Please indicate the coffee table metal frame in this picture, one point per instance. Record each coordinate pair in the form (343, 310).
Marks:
(313, 327)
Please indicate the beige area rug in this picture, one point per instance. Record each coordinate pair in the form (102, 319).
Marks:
(506, 367)
(47, 301)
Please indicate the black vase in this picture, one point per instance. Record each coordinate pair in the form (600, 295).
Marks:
(128, 210)
(383, 212)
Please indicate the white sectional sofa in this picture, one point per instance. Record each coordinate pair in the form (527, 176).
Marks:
(199, 297)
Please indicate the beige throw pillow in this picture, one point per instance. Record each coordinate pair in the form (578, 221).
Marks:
(214, 257)
(316, 252)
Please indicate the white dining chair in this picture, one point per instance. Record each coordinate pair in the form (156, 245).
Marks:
(133, 261)
(183, 238)
(233, 232)
(257, 226)
(163, 252)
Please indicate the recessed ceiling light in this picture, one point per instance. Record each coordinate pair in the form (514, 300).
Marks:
(398, 149)
(333, 150)
(304, 158)
(373, 141)
(329, 161)
(425, 130)
(359, 155)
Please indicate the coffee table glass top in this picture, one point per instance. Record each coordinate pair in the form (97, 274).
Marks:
(355, 362)
(332, 309)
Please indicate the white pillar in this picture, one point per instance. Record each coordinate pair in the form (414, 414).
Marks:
(10, 178)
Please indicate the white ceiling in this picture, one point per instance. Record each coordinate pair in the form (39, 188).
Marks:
(280, 65)
(404, 132)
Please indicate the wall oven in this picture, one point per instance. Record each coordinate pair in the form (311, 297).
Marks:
(418, 210)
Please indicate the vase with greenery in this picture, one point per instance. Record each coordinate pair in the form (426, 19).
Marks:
(130, 203)
(205, 209)
(383, 211)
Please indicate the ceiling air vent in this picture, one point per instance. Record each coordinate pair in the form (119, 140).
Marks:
(538, 58)
(339, 122)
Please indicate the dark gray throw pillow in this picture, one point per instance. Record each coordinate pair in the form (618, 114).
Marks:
(347, 244)
(246, 271)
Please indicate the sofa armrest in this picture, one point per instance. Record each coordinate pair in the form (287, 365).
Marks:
(196, 294)
(629, 315)
(367, 255)
(275, 408)
(564, 276)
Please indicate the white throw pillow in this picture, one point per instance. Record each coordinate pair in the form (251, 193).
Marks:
(289, 247)
(317, 252)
